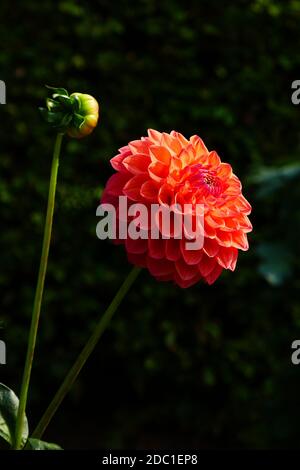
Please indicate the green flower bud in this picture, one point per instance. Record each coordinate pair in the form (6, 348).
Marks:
(89, 110)
(76, 114)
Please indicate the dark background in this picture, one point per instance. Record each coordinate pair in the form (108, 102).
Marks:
(206, 367)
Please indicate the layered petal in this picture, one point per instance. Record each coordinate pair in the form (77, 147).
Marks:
(166, 169)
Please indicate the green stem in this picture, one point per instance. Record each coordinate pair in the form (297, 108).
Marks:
(38, 295)
(85, 353)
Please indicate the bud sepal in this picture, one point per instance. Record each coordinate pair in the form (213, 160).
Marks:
(76, 114)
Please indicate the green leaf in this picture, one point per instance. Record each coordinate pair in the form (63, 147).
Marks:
(58, 120)
(9, 404)
(57, 91)
(66, 120)
(52, 105)
(76, 103)
(36, 444)
(271, 179)
(276, 263)
(50, 116)
(65, 101)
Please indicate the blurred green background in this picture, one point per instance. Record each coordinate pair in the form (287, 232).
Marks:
(206, 367)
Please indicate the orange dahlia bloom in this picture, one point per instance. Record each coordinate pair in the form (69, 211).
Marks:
(168, 169)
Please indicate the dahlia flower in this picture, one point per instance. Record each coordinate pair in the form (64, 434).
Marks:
(168, 169)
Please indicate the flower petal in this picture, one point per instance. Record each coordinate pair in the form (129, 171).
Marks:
(206, 265)
(239, 240)
(159, 267)
(116, 183)
(160, 154)
(158, 171)
(184, 284)
(137, 247)
(173, 249)
(191, 257)
(133, 186)
(214, 159)
(149, 190)
(214, 274)
(211, 247)
(185, 271)
(199, 146)
(117, 161)
(139, 146)
(155, 136)
(227, 257)
(137, 164)
(157, 248)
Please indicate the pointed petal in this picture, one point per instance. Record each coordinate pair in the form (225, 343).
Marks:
(239, 240)
(158, 171)
(139, 146)
(214, 158)
(191, 257)
(199, 145)
(213, 276)
(206, 265)
(172, 143)
(186, 271)
(211, 247)
(160, 154)
(137, 164)
(117, 161)
(157, 248)
(154, 136)
(224, 238)
(184, 284)
(243, 205)
(173, 249)
(224, 171)
(149, 190)
(133, 186)
(166, 195)
(116, 182)
(138, 246)
(159, 267)
(227, 257)
(183, 141)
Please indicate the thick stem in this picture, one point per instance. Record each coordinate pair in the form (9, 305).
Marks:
(85, 353)
(38, 295)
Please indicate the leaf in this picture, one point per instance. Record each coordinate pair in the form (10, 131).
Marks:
(276, 263)
(57, 91)
(66, 120)
(76, 103)
(52, 105)
(50, 116)
(36, 444)
(57, 120)
(65, 100)
(271, 179)
(9, 404)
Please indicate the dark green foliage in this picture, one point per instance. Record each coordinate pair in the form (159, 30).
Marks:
(205, 367)
(9, 404)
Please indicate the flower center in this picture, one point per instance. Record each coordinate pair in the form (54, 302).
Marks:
(201, 181)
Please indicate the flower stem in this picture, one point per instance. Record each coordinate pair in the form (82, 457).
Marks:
(85, 353)
(38, 295)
